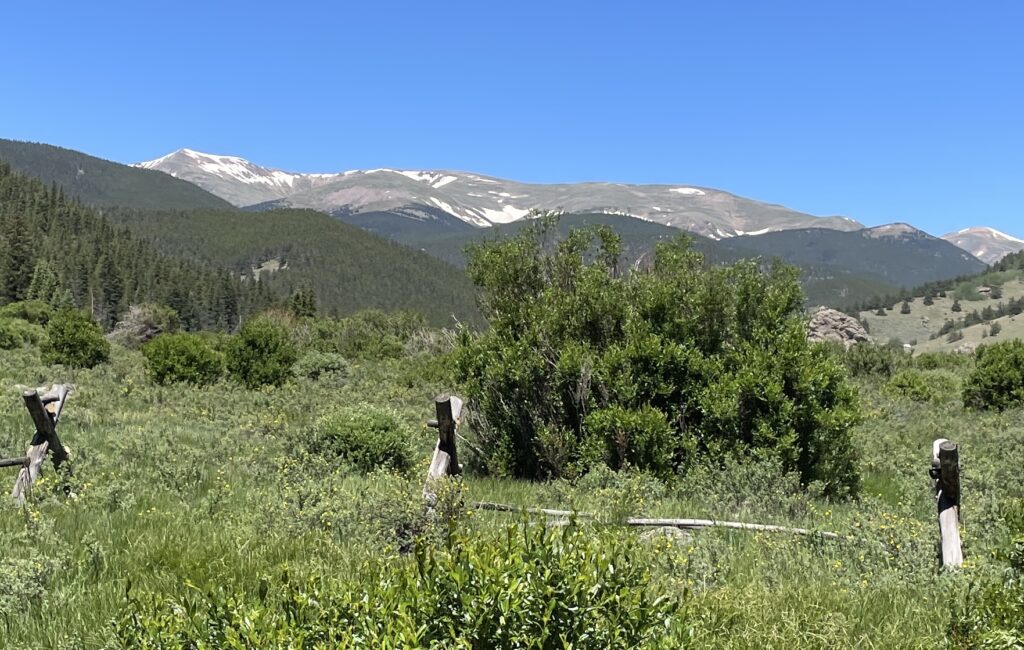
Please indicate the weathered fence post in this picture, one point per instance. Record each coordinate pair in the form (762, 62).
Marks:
(45, 411)
(445, 461)
(946, 472)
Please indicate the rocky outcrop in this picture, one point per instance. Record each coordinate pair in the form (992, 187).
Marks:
(832, 325)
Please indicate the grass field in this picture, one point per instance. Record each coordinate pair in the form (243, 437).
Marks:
(183, 491)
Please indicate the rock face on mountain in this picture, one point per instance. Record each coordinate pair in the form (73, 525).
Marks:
(831, 325)
(479, 200)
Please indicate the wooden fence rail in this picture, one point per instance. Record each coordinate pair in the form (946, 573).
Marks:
(45, 411)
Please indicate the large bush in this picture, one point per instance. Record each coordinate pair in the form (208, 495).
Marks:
(74, 339)
(368, 334)
(261, 354)
(869, 359)
(997, 381)
(369, 437)
(15, 332)
(33, 311)
(719, 352)
(924, 385)
(567, 588)
(187, 358)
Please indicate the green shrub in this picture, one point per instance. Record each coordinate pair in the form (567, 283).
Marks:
(721, 352)
(633, 437)
(15, 332)
(942, 361)
(997, 381)
(33, 311)
(868, 359)
(261, 354)
(369, 334)
(367, 436)
(528, 588)
(74, 339)
(924, 385)
(187, 358)
(317, 365)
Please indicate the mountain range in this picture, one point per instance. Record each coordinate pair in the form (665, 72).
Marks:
(415, 205)
(478, 200)
(438, 212)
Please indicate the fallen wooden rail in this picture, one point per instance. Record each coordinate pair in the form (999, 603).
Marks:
(686, 524)
(945, 470)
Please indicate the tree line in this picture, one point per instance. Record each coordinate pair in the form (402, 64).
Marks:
(56, 250)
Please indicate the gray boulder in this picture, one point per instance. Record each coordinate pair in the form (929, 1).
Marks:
(832, 325)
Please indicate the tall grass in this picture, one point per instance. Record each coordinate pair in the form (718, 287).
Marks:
(182, 491)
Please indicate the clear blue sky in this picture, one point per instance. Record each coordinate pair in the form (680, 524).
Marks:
(881, 111)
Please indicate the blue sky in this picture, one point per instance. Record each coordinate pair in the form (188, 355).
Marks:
(881, 111)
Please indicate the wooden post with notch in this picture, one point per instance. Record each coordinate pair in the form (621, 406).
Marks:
(945, 471)
(45, 410)
(445, 461)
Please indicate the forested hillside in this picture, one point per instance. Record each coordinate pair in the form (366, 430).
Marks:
(99, 182)
(54, 249)
(348, 268)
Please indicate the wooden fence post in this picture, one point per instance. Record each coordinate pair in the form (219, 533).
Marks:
(946, 472)
(45, 411)
(445, 461)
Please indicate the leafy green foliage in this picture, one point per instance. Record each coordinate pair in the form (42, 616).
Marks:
(720, 352)
(367, 436)
(321, 365)
(621, 437)
(868, 359)
(261, 354)
(15, 332)
(367, 334)
(74, 339)
(33, 311)
(529, 588)
(997, 381)
(172, 358)
(924, 385)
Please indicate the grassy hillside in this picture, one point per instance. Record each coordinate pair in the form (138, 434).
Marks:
(349, 269)
(103, 183)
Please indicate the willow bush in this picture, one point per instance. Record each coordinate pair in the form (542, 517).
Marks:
(672, 362)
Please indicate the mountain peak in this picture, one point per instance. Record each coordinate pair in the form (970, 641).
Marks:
(897, 229)
(987, 244)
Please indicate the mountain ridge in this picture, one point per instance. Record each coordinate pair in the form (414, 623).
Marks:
(987, 244)
(480, 200)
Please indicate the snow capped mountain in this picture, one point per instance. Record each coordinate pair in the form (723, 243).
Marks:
(987, 244)
(234, 179)
(479, 200)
